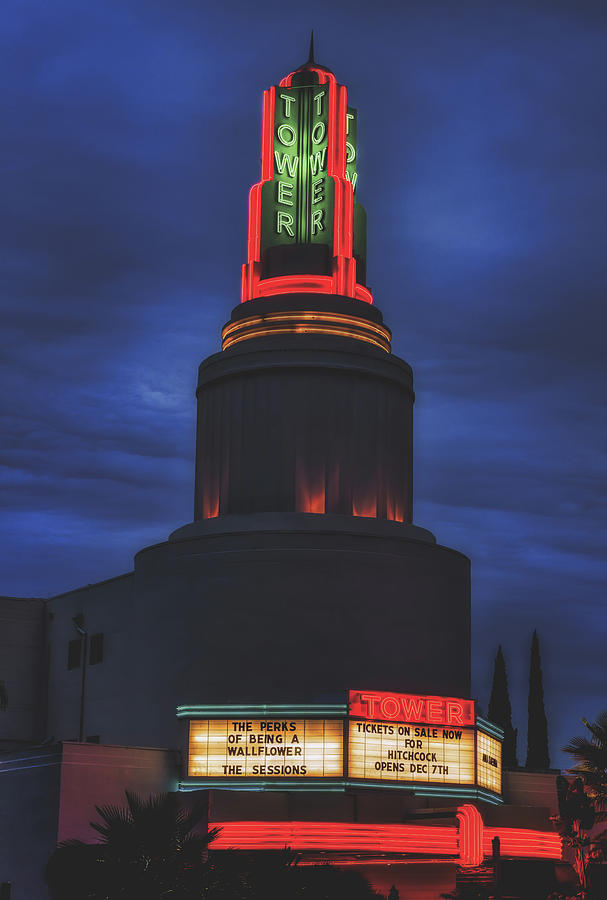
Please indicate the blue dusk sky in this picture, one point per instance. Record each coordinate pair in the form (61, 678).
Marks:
(131, 133)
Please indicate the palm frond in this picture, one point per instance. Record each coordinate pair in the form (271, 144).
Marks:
(588, 753)
(212, 833)
(188, 819)
(598, 729)
(135, 803)
(114, 814)
(116, 825)
(576, 745)
(601, 721)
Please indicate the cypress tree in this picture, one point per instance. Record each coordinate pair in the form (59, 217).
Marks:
(500, 710)
(537, 728)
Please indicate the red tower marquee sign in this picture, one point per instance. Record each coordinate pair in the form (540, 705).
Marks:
(411, 708)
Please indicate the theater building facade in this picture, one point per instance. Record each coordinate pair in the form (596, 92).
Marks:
(300, 652)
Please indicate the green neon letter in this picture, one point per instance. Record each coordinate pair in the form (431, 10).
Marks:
(288, 100)
(318, 102)
(354, 179)
(284, 220)
(316, 220)
(348, 117)
(283, 161)
(286, 135)
(317, 190)
(285, 193)
(318, 132)
(350, 152)
(317, 161)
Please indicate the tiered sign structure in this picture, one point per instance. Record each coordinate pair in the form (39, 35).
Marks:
(307, 232)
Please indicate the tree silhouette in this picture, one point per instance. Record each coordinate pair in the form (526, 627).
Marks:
(591, 761)
(537, 728)
(583, 801)
(500, 710)
(148, 849)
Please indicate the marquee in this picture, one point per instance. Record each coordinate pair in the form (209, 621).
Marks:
(428, 745)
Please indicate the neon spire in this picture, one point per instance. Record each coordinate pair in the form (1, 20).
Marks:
(307, 232)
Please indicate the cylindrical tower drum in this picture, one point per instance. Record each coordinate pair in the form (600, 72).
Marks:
(309, 419)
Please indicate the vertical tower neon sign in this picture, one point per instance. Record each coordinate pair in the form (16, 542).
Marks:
(306, 233)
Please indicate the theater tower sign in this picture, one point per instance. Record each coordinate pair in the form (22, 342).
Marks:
(300, 651)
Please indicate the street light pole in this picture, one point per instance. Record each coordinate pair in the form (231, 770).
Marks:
(79, 626)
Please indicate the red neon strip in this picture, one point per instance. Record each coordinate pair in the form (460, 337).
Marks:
(323, 76)
(249, 281)
(343, 214)
(296, 284)
(267, 173)
(470, 835)
(357, 860)
(363, 293)
(254, 223)
(251, 275)
(336, 836)
(340, 131)
(333, 172)
(267, 135)
(400, 839)
(344, 268)
(350, 276)
(524, 842)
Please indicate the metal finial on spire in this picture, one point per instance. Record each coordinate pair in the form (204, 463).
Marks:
(311, 54)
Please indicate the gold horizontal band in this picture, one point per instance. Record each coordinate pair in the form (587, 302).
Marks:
(298, 322)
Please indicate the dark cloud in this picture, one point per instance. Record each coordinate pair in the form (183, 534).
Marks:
(131, 139)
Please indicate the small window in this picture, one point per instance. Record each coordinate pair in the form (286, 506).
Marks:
(74, 652)
(96, 655)
(93, 739)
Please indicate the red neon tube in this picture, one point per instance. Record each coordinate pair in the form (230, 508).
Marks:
(336, 836)
(470, 842)
(343, 279)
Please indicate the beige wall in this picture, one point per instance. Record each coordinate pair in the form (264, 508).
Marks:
(95, 775)
(48, 794)
(536, 789)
